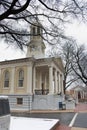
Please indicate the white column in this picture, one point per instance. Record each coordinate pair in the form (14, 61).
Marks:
(59, 82)
(12, 81)
(45, 84)
(34, 79)
(51, 89)
(56, 82)
(40, 80)
(29, 79)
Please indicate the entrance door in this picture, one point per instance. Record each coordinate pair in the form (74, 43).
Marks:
(43, 92)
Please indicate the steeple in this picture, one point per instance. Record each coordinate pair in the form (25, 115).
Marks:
(36, 47)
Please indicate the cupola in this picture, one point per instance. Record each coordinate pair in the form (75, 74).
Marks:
(36, 46)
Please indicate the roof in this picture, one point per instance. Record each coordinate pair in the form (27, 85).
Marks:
(32, 123)
(16, 61)
(57, 61)
(79, 88)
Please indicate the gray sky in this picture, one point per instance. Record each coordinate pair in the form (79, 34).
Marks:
(9, 52)
(77, 30)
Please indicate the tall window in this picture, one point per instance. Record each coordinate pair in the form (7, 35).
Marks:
(38, 30)
(33, 30)
(6, 79)
(21, 78)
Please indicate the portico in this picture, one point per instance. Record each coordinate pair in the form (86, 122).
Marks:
(47, 78)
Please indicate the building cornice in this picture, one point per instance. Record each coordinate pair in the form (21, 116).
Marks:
(30, 59)
(47, 61)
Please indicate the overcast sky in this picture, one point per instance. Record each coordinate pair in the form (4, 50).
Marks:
(10, 52)
(78, 30)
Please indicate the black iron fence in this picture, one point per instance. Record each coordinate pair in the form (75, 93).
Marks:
(42, 92)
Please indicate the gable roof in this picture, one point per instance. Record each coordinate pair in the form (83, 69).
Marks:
(79, 88)
(59, 61)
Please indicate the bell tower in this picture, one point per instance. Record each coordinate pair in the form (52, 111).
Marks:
(36, 47)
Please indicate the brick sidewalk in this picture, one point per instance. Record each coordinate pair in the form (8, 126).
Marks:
(63, 127)
(81, 108)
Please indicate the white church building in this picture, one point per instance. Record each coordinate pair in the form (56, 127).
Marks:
(34, 82)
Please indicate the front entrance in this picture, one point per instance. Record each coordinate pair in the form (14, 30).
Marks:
(43, 89)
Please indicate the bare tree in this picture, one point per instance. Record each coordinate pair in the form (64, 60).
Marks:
(79, 63)
(65, 52)
(17, 15)
(67, 56)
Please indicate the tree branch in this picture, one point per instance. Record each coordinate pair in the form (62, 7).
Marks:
(12, 10)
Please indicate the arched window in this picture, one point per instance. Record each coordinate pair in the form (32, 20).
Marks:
(21, 78)
(6, 79)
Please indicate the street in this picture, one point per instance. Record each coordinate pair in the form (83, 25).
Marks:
(65, 118)
(81, 120)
